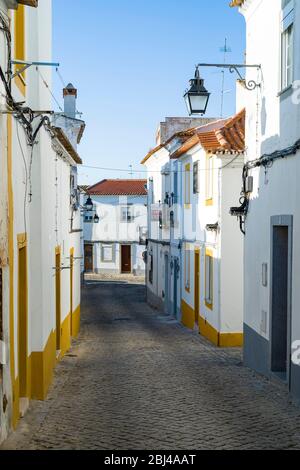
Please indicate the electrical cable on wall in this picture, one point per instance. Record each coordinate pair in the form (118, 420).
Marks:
(26, 181)
(265, 161)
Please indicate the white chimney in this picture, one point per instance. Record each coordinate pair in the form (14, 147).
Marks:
(70, 97)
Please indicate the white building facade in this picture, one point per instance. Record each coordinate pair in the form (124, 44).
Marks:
(116, 242)
(191, 270)
(39, 218)
(270, 210)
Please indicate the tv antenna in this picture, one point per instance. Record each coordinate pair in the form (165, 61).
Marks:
(226, 50)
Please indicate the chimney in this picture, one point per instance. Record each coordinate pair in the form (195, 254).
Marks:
(70, 97)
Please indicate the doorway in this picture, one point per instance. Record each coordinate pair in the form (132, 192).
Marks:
(281, 282)
(197, 287)
(88, 258)
(22, 322)
(166, 283)
(175, 286)
(58, 298)
(125, 259)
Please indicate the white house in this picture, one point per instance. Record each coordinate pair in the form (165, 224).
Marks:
(163, 250)
(195, 258)
(270, 211)
(116, 242)
(39, 215)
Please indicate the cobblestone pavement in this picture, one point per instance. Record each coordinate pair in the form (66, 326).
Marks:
(129, 278)
(136, 379)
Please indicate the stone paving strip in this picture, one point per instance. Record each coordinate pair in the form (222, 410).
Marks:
(136, 379)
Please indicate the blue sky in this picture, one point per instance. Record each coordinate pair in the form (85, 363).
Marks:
(131, 61)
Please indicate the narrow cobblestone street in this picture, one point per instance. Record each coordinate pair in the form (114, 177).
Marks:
(136, 379)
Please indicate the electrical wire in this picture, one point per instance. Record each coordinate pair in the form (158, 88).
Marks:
(60, 77)
(64, 84)
(26, 180)
(49, 89)
(6, 30)
(159, 171)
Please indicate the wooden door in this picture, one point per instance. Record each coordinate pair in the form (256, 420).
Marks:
(22, 321)
(126, 259)
(58, 300)
(197, 287)
(88, 258)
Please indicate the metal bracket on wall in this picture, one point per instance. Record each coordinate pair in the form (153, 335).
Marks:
(25, 65)
(248, 84)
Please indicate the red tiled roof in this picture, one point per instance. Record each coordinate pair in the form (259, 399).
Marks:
(226, 135)
(119, 188)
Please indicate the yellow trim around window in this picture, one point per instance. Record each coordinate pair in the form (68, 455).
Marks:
(20, 46)
(209, 254)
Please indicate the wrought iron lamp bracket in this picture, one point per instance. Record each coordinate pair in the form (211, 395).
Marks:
(248, 84)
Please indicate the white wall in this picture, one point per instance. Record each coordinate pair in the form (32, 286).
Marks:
(275, 193)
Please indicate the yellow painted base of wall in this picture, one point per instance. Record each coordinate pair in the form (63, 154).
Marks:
(65, 340)
(223, 340)
(16, 403)
(40, 365)
(76, 322)
(188, 315)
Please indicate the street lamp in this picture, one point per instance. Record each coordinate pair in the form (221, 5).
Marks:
(89, 204)
(96, 219)
(197, 96)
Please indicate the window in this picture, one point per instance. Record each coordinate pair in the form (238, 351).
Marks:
(126, 214)
(187, 185)
(175, 187)
(287, 61)
(209, 279)
(209, 179)
(287, 47)
(187, 268)
(196, 178)
(88, 218)
(107, 253)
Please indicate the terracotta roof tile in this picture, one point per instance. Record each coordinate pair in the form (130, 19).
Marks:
(229, 137)
(119, 188)
(225, 135)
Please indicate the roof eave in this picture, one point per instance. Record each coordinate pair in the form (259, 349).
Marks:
(65, 142)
